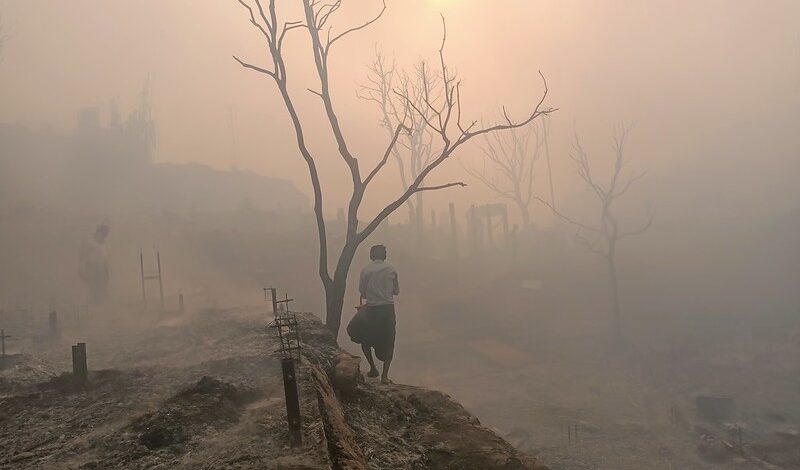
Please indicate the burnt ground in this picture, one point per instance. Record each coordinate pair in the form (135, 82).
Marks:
(205, 391)
(404, 427)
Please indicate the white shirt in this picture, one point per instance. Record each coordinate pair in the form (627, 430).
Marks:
(378, 283)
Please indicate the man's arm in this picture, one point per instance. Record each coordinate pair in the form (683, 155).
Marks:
(396, 289)
(362, 287)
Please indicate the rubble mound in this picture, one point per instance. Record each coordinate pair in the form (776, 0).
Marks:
(105, 378)
(22, 370)
(209, 403)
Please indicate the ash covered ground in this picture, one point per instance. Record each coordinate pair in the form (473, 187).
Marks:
(205, 391)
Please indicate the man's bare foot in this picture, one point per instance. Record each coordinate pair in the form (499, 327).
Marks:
(385, 380)
(373, 373)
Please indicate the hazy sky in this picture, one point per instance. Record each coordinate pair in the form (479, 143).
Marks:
(712, 87)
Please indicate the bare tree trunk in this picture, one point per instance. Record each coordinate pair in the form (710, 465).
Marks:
(546, 133)
(334, 296)
(524, 214)
(606, 237)
(615, 308)
(420, 212)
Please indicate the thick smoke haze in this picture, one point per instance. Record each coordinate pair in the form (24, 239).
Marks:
(711, 91)
(706, 84)
(135, 114)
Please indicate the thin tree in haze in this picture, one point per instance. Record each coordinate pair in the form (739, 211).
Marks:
(604, 239)
(443, 117)
(414, 149)
(508, 164)
(546, 141)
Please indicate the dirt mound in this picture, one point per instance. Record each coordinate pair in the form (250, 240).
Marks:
(209, 403)
(22, 370)
(404, 427)
(400, 427)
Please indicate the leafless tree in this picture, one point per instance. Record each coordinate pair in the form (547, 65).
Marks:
(444, 118)
(414, 150)
(603, 240)
(512, 157)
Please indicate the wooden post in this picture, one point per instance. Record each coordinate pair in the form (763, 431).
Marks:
(433, 232)
(53, 322)
(512, 240)
(144, 290)
(506, 238)
(274, 293)
(160, 283)
(292, 401)
(473, 228)
(453, 231)
(489, 228)
(80, 370)
(741, 439)
(3, 342)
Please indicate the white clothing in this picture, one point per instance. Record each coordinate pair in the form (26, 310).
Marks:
(378, 283)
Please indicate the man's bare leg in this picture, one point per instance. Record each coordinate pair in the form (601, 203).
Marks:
(373, 371)
(385, 375)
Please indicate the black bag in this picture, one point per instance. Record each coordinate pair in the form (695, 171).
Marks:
(358, 327)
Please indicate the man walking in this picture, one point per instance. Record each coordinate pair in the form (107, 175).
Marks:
(94, 267)
(378, 285)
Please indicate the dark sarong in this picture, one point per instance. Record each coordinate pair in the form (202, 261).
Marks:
(374, 326)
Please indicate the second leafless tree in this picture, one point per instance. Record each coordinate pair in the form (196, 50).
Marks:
(604, 238)
(508, 164)
(414, 149)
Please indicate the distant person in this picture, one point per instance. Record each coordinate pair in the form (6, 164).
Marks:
(375, 328)
(94, 267)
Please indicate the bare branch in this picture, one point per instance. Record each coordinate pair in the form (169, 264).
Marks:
(286, 28)
(580, 225)
(441, 186)
(590, 245)
(323, 16)
(256, 23)
(356, 28)
(584, 169)
(537, 112)
(629, 183)
(486, 181)
(389, 149)
(255, 67)
(647, 224)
